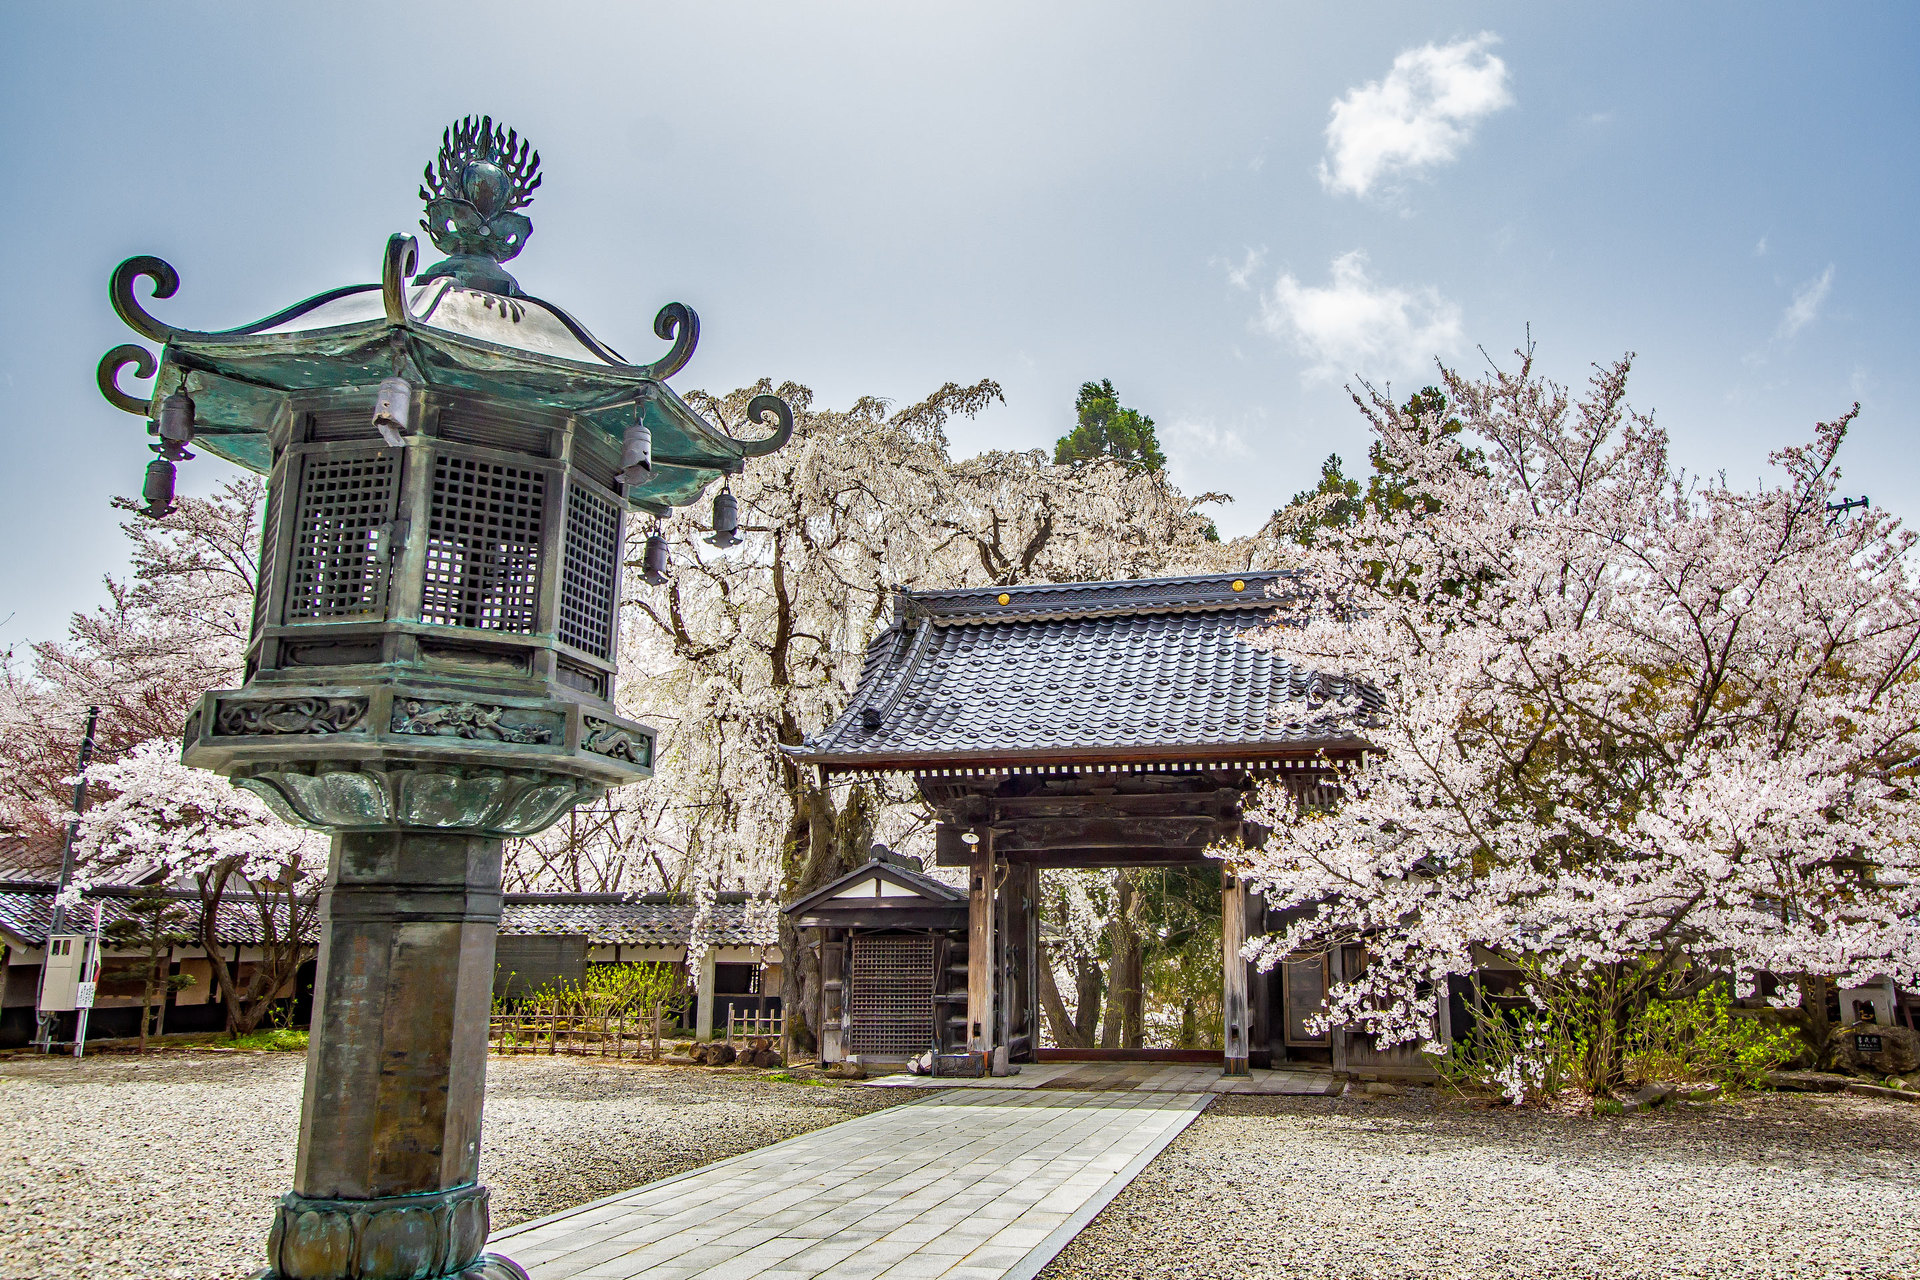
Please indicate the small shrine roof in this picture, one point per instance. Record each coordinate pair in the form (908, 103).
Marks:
(1086, 674)
(885, 892)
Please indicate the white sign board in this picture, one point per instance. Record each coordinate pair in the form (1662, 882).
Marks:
(83, 995)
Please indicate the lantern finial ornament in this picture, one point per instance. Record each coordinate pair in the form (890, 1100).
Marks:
(482, 176)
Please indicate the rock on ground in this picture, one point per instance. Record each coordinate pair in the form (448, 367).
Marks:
(1773, 1185)
(167, 1167)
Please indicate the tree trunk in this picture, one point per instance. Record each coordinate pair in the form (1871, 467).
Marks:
(1815, 1021)
(281, 956)
(146, 1002)
(1065, 1033)
(834, 844)
(1088, 990)
(1132, 1023)
(1121, 1025)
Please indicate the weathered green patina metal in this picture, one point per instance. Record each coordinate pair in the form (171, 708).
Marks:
(432, 660)
(449, 336)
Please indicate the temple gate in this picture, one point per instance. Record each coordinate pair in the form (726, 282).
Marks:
(1089, 725)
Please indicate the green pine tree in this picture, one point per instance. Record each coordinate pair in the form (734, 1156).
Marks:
(1385, 489)
(1107, 429)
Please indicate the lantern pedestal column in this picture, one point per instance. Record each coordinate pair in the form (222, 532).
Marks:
(386, 1180)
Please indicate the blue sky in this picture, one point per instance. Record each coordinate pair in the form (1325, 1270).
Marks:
(1229, 210)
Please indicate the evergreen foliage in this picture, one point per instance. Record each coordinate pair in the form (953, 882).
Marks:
(1107, 429)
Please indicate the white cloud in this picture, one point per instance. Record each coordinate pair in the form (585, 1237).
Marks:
(1805, 306)
(1209, 439)
(1240, 276)
(1356, 326)
(1760, 248)
(1419, 116)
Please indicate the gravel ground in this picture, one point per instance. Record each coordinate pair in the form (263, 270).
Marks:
(1775, 1185)
(167, 1167)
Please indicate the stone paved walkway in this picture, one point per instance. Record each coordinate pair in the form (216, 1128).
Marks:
(974, 1184)
(1145, 1077)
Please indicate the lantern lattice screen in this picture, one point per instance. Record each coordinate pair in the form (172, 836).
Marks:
(483, 544)
(890, 995)
(269, 540)
(341, 537)
(591, 572)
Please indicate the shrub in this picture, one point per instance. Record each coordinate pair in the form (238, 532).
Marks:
(1703, 1037)
(1564, 1036)
(283, 1039)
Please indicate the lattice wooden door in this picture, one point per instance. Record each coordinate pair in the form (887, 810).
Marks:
(890, 995)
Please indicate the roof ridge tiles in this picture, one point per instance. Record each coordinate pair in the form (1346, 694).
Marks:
(1193, 592)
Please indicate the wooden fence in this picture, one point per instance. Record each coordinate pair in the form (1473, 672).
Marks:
(608, 1036)
(746, 1024)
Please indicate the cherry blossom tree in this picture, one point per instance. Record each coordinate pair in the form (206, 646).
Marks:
(1632, 727)
(155, 811)
(753, 646)
(176, 628)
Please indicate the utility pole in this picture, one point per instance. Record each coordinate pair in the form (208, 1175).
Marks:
(1837, 509)
(44, 1038)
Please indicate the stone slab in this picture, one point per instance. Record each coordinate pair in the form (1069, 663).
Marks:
(968, 1184)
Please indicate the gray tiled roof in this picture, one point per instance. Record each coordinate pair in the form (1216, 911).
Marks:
(26, 912)
(649, 920)
(1077, 673)
(26, 909)
(36, 856)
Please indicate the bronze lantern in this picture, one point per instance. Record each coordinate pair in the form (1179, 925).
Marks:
(451, 466)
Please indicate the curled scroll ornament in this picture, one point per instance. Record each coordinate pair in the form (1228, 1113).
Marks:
(679, 322)
(758, 411)
(108, 375)
(400, 261)
(166, 282)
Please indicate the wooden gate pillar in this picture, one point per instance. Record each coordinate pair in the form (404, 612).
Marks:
(1233, 971)
(980, 948)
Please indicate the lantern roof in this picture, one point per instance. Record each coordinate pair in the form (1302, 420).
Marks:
(462, 325)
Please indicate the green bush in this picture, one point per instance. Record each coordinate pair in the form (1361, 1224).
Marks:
(1704, 1037)
(285, 1039)
(1565, 1036)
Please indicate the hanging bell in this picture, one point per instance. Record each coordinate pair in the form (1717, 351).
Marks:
(726, 519)
(158, 490)
(653, 562)
(393, 411)
(176, 428)
(636, 452)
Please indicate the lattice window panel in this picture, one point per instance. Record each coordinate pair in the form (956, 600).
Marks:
(269, 540)
(342, 533)
(590, 575)
(483, 544)
(890, 995)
